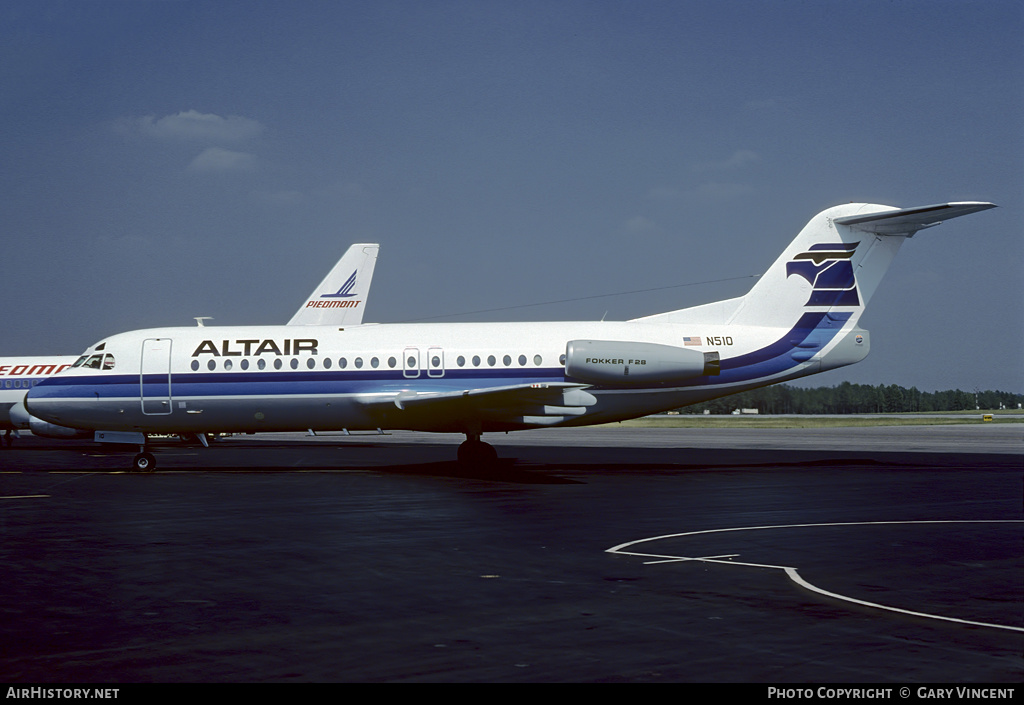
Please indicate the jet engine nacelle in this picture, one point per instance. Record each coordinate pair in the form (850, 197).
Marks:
(21, 419)
(635, 364)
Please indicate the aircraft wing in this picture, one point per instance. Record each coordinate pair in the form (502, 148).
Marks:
(542, 403)
(340, 299)
(907, 221)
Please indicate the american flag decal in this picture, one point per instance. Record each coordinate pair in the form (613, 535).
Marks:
(692, 340)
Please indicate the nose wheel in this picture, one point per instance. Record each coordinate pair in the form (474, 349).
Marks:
(144, 462)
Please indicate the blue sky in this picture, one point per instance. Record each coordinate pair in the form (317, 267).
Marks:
(164, 160)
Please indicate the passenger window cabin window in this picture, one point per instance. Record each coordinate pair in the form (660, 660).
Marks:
(476, 361)
(195, 365)
(294, 364)
(537, 359)
(211, 365)
(244, 364)
(278, 364)
(228, 364)
(507, 360)
(491, 360)
(392, 362)
(261, 364)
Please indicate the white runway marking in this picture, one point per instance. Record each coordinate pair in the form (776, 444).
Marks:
(792, 573)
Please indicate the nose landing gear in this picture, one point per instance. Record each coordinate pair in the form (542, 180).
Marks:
(144, 462)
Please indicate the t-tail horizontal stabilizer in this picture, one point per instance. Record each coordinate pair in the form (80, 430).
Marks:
(907, 221)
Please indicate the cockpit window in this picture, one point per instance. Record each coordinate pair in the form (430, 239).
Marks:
(93, 363)
(80, 361)
(108, 362)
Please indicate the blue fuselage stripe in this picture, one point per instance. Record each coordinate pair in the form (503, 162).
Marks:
(215, 384)
(809, 336)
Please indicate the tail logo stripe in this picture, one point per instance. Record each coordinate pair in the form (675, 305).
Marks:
(345, 290)
(828, 269)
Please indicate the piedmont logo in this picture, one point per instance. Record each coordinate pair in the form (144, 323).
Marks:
(828, 269)
(345, 290)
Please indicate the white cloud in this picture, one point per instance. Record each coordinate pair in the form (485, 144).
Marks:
(193, 125)
(282, 198)
(348, 190)
(220, 159)
(640, 226)
(739, 158)
(721, 192)
(765, 104)
(665, 193)
(715, 191)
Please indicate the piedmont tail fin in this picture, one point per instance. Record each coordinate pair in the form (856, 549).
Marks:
(340, 298)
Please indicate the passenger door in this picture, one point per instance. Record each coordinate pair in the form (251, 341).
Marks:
(155, 376)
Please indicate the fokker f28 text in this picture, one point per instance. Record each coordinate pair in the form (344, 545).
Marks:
(799, 319)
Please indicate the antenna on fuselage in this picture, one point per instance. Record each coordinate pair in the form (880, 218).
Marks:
(199, 320)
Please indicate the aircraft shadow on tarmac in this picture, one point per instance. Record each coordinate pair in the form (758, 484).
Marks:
(505, 470)
(531, 465)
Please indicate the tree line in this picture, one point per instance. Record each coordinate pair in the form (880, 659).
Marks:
(848, 398)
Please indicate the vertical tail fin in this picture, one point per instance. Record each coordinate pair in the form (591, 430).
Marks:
(816, 291)
(837, 262)
(340, 299)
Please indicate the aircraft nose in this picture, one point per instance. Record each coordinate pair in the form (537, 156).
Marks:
(32, 397)
(29, 398)
(37, 409)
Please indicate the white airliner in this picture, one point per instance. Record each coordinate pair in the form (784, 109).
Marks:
(799, 319)
(339, 300)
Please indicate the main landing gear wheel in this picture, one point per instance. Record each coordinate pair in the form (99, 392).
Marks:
(475, 452)
(144, 462)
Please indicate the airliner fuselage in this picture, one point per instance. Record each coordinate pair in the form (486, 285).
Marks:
(381, 376)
